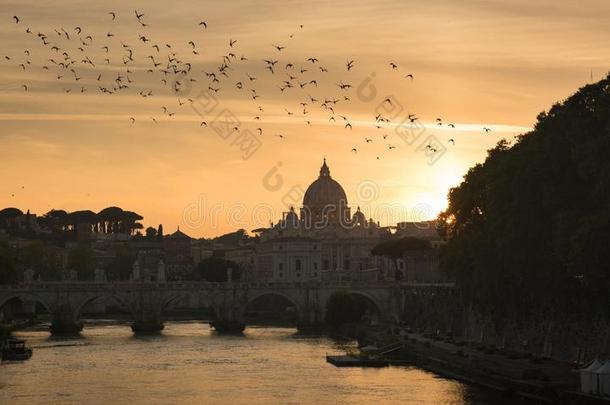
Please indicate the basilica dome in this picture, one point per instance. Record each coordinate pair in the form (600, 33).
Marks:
(324, 191)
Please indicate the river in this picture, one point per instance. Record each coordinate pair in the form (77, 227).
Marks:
(190, 364)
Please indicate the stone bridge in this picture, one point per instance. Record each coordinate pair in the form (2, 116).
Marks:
(146, 301)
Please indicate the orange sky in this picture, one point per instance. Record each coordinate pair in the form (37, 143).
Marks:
(476, 64)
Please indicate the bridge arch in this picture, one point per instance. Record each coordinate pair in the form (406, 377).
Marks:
(5, 299)
(167, 302)
(93, 297)
(285, 296)
(369, 298)
(366, 307)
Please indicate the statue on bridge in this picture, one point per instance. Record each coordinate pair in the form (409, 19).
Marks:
(28, 276)
(135, 271)
(72, 275)
(161, 272)
(100, 275)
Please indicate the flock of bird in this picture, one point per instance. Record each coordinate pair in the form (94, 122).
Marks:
(72, 59)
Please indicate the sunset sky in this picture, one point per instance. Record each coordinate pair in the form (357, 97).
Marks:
(475, 64)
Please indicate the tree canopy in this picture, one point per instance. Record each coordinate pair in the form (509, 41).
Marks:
(233, 238)
(214, 269)
(395, 248)
(528, 230)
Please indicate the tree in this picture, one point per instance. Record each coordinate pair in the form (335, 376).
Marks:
(55, 221)
(109, 219)
(129, 222)
(8, 268)
(233, 238)
(76, 218)
(214, 269)
(527, 231)
(80, 258)
(42, 259)
(121, 266)
(151, 232)
(8, 214)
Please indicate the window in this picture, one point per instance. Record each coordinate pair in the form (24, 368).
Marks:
(325, 264)
(298, 264)
(315, 265)
(280, 266)
(315, 247)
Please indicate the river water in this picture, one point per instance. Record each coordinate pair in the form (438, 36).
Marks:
(190, 364)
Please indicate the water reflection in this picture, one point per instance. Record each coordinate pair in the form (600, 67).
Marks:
(190, 363)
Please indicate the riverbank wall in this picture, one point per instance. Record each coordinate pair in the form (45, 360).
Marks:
(563, 338)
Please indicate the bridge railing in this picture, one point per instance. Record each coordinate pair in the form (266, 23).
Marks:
(206, 285)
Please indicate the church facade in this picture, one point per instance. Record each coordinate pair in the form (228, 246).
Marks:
(323, 241)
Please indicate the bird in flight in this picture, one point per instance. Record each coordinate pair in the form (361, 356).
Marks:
(232, 42)
(113, 14)
(16, 19)
(486, 129)
(205, 25)
(279, 47)
(132, 119)
(452, 141)
(393, 65)
(410, 76)
(349, 65)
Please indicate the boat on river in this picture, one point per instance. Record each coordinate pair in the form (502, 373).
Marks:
(15, 349)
